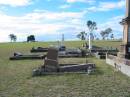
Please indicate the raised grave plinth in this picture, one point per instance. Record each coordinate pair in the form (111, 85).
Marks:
(118, 63)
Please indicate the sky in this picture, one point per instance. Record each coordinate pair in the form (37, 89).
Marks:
(49, 19)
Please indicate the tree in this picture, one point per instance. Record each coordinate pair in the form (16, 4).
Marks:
(82, 35)
(12, 37)
(91, 27)
(31, 38)
(112, 36)
(106, 33)
(102, 33)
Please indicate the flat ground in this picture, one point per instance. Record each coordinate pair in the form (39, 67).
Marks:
(16, 76)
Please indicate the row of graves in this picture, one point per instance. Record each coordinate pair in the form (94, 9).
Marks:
(62, 52)
(51, 64)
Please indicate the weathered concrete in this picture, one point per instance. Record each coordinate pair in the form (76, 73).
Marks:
(120, 64)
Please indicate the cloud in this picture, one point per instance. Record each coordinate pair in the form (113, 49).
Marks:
(54, 15)
(46, 23)
(114, 24)
(106, 6)
(39, 23)
(15, 3)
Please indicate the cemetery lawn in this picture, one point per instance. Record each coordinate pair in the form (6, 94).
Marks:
(16, 76)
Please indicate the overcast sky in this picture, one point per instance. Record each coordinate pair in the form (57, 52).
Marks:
(49, 19)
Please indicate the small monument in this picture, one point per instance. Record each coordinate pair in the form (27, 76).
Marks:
(125, 47)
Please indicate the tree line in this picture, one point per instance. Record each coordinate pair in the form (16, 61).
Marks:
(93, 26)
(13, 38)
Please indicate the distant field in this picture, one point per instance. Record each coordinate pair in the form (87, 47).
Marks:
(16, 76)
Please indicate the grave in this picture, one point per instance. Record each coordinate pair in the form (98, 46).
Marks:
(100, 52)
(122, 59)
(38, 49)
(51, 65)
(73, 52)
(101, 49)
(19, 56)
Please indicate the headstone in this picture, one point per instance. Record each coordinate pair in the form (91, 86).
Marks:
(51, 61)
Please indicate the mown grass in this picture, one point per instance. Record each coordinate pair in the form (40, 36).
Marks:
(16, 76)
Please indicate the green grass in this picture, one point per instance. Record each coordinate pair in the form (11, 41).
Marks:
(16, 76)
